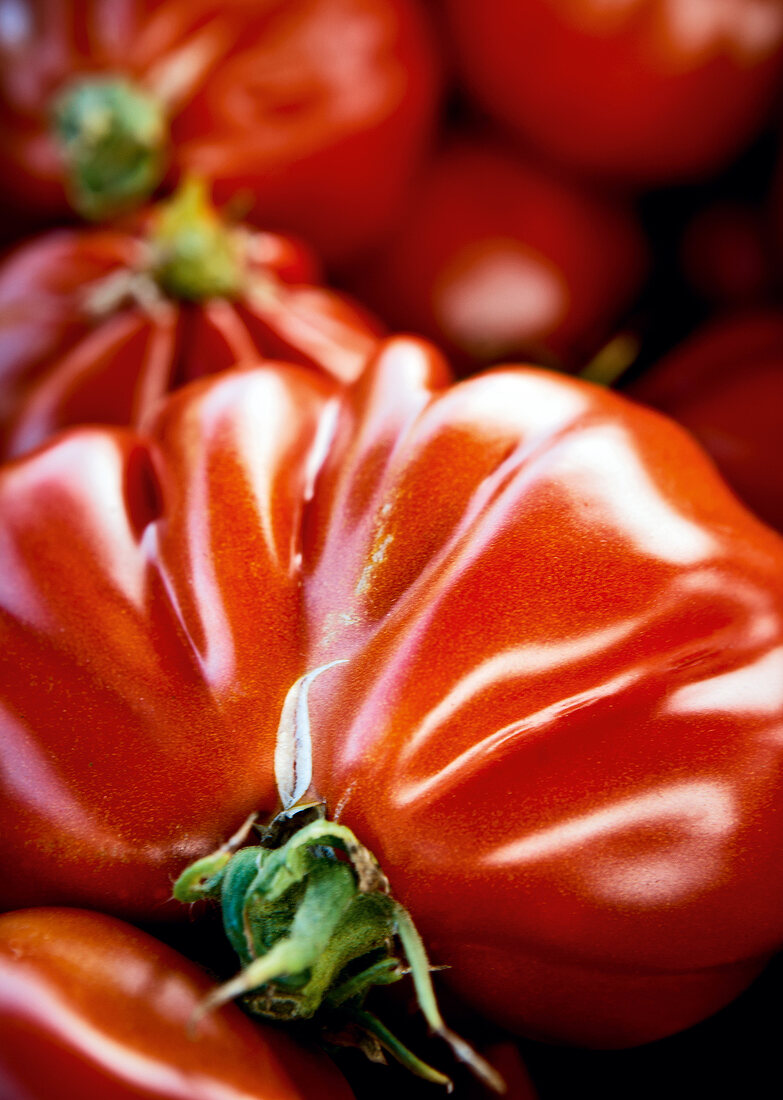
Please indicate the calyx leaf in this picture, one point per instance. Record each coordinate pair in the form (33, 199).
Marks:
(311, 918)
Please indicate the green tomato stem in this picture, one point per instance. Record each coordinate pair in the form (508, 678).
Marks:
(195, 254)
(315, 933)
(399, 1051)
(113, 137)
(415, 952)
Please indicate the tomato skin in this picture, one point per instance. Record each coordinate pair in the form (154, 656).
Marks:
(725, 384)
(260, 101)
(93, 1009)
(151, 665)
(644, 91)
(63, 363)
(530, 748)
(557, 727)
(497, 257)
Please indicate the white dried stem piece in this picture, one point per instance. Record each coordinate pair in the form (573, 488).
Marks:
(293, 749)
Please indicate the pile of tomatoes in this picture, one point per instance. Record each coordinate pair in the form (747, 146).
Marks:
(336, 335)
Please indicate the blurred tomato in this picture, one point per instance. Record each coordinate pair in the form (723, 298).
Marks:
(725, 384)
(497, 258)
(93, 1009)
(315, 110)
(96, 325)
(726, 256)
(643, 91)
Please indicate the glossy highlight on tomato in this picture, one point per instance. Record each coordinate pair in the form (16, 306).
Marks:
(558, 727)
(313, 111)
(93, 1009)
(638, 91)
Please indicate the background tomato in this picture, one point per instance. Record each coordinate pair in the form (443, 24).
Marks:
(557, 724)
(725, 384)
(640, 91)
(315, 110)
(88, 334)
(497, 257)
(731, 1054)
(93, 1009)
(726, 256)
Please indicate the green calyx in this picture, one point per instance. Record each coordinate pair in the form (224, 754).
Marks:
(309, 914)
(195, 254)
(113, 137)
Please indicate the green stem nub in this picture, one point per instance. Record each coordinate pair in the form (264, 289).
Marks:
(196, 255)
(309, 914)
(113, 137)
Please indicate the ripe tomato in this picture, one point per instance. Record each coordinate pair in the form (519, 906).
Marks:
(94, 1009)
(88, 334)
(725, 384)
(315, 110)
(558, 724)
(497, 257)
(726, 255)
(643, 91)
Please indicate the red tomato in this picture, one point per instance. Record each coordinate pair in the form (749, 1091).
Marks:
(726, 255)
(93, 1009)
(643, 91)
(558, 727)
(497, 258)
(725, 384)
(315, 110)
(86, 336)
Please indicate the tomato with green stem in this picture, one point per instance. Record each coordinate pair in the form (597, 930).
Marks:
(98, 325)
(557, 721)
(312, 112)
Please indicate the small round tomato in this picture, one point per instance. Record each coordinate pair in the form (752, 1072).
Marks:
(93, 1009)
(498, 258)
(96, 325)
(725, 384)
(644, 91)
(315, 111)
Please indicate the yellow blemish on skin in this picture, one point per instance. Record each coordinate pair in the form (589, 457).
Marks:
(382, 540)
(335, 624)
(377, 558)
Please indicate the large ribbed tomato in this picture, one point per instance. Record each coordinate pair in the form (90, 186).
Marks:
(93, 1009)
(315, 110)
(560, 722)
